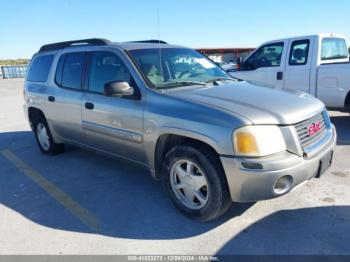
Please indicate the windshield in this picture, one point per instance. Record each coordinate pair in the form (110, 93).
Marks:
(173, 67)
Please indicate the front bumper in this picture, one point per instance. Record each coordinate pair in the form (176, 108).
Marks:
(249, 185)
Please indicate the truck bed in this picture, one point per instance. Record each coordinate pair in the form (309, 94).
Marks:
(333, 82)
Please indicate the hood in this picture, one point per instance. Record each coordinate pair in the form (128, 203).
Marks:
(259, 105)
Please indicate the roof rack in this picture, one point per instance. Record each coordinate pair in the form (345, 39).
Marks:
(60, 45)
(151, 41)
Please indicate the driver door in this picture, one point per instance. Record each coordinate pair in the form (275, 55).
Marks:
(266, 65)
(112, 124)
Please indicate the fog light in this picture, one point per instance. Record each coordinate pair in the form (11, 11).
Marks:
(283, 185)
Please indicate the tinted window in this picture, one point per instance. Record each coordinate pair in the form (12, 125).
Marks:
(299, 52)
(106, 67)
(266, 56)
(333, 48)
(40, 68)
(73, 70)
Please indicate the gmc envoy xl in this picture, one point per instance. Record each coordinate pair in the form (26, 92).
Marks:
(209, 138)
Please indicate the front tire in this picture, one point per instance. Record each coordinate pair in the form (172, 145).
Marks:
(195, 182)
(44, 138)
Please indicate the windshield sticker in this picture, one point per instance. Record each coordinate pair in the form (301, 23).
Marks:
(205, 63)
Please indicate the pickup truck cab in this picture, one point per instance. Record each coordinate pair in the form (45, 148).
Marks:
(209, 138)
(316, 64)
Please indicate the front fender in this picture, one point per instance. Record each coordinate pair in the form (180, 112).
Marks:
(150, 142)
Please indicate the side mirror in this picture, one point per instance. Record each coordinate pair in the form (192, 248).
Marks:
(118, 88)
(240, 63)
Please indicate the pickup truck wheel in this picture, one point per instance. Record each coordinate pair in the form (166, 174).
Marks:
(195, 183)
(44, 138)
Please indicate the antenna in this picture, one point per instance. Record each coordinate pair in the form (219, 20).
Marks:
(158, 31)
(159, 43)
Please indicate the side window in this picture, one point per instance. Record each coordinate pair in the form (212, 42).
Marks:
(72, 70)
(106, 67)
(333, 48)
(299, 52)
(266, 56)
(40, 68)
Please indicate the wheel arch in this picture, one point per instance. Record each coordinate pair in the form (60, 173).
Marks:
(167, 141)
(34, 112)
(347, 101)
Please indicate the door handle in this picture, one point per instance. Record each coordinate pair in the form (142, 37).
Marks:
(89, 106)
(279, 75)
(51, 98)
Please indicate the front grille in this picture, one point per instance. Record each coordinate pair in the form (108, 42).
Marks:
(303, 134)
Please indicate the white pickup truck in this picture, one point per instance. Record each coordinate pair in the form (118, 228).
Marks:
(317, 64)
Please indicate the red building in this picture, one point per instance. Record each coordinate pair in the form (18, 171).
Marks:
(225, 54)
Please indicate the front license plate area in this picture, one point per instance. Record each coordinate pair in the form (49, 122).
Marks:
(325, 163)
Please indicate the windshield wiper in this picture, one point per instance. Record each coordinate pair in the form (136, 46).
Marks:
(180, 83)
(220, 79)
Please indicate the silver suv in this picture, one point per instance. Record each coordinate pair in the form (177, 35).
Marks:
(209, 138)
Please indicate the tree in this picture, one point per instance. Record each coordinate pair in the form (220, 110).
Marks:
(20, 61)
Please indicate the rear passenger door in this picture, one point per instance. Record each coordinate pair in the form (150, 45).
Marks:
(298, 67)
(112, 124)
(64, 101)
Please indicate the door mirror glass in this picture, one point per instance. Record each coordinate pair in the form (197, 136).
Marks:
(118, 88)
(240, 64)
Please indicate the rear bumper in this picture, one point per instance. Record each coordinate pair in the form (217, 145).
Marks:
(248, 185)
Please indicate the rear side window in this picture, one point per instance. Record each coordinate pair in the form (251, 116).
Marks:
(40, 68)
(70, 70)
(333, 48)
(299, 52)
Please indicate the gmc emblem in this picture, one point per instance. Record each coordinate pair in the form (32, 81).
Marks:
(314, 128)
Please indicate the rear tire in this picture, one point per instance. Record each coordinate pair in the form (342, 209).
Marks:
(44, 138)
(210, 196)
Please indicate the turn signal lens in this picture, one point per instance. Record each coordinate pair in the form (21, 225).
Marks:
(258, 140)
(246, 143)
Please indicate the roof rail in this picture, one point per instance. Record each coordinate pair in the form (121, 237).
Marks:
(60, 45)
(151, 41)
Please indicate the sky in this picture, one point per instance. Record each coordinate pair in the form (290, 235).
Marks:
(26, 25)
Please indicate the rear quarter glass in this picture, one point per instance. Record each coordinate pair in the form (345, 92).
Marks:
(40, 68)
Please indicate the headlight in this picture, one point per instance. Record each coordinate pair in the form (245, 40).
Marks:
(258, 141)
